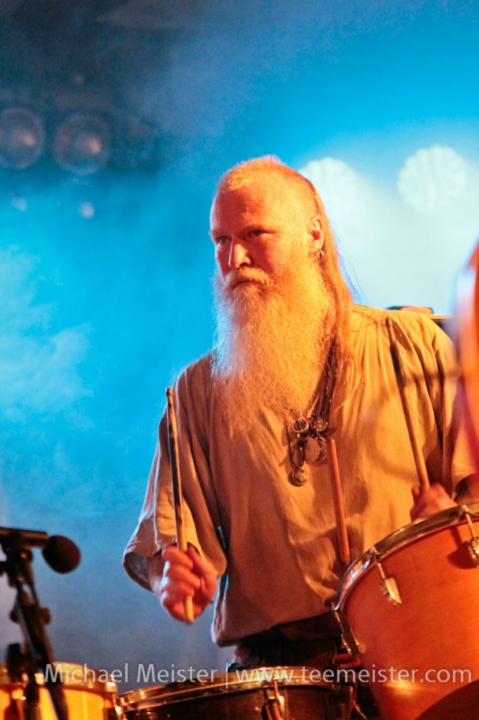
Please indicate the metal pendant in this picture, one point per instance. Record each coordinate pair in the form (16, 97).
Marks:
(301, 428)
(298, 476)
(320, 425)
(315, 449)
(312, 450)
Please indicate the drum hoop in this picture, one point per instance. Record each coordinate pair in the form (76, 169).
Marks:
(88, 680)
(399, 539)
(174, 692)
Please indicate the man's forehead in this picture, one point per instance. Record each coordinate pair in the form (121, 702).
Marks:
(265, 195)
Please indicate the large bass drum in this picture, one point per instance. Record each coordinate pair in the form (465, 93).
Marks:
(256, 694)
(409, 608)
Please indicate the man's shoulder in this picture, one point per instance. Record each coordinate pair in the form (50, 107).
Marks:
(415, 331)
(417, 337)
(200, 364)
(198, 370)
(411, 321)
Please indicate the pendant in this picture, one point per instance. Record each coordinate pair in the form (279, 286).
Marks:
(312, 450)
(320, 425)
(298, 476)
(315, 449)
(301, 428)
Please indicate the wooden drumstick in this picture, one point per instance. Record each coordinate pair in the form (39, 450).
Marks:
(401, 381)
(467, 341)
(177, 490)
(344, 552)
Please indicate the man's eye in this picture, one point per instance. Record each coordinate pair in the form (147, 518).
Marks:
(256, 232)
(221, 240)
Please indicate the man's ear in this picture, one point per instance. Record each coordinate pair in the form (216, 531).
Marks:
(316, 235)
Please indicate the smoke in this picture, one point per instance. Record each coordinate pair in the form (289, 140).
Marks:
(239, 52)
(38, 369)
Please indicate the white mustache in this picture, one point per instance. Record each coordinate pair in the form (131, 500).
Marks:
(240, 275)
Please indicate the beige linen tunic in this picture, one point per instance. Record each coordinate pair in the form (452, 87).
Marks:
(276, 550)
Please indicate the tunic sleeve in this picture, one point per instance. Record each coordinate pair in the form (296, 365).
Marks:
(156, 527)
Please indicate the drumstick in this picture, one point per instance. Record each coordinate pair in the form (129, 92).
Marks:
(177, 491)
(334, 476)
(401, 381)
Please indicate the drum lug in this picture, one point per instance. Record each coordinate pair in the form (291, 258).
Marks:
(473, 543)
(388, 585)
(473, 547)
(346, 702)
(390, 590)
(113, 713)
(274, 705)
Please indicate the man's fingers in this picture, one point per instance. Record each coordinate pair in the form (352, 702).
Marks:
(178, 578)
(432, 500)
(173, 593)
(205, 571)
(181, 575)
(172, 554)
(186, 574)
(201, 566)
(176, 610)
(190, 559)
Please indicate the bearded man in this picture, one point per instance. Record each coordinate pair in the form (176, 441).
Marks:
(295, 362)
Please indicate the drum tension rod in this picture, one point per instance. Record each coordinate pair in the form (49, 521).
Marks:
(349, 640)
(473, 543)
(274, 705)
(388, 585)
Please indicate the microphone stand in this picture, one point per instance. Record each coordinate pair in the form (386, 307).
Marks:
(32, 619)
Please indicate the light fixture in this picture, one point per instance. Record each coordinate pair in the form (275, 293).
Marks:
(82, 143)
(22, 138)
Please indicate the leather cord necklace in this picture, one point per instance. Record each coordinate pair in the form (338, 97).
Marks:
(313, 427)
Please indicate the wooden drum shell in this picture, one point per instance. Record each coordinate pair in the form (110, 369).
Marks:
(435, 629)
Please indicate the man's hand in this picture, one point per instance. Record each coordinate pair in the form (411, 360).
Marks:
(185, 574)
(432, 500)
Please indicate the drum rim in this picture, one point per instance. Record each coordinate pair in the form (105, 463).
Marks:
(142, 699)
(86, 683)
(397, 540)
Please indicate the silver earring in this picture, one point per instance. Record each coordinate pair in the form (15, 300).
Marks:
(320, 255)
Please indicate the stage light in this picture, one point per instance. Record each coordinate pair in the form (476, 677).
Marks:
(22, 138)
(82, 144)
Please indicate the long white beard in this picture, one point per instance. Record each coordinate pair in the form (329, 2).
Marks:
(273, 337)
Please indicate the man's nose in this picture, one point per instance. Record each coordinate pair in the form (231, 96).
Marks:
(238, 255)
